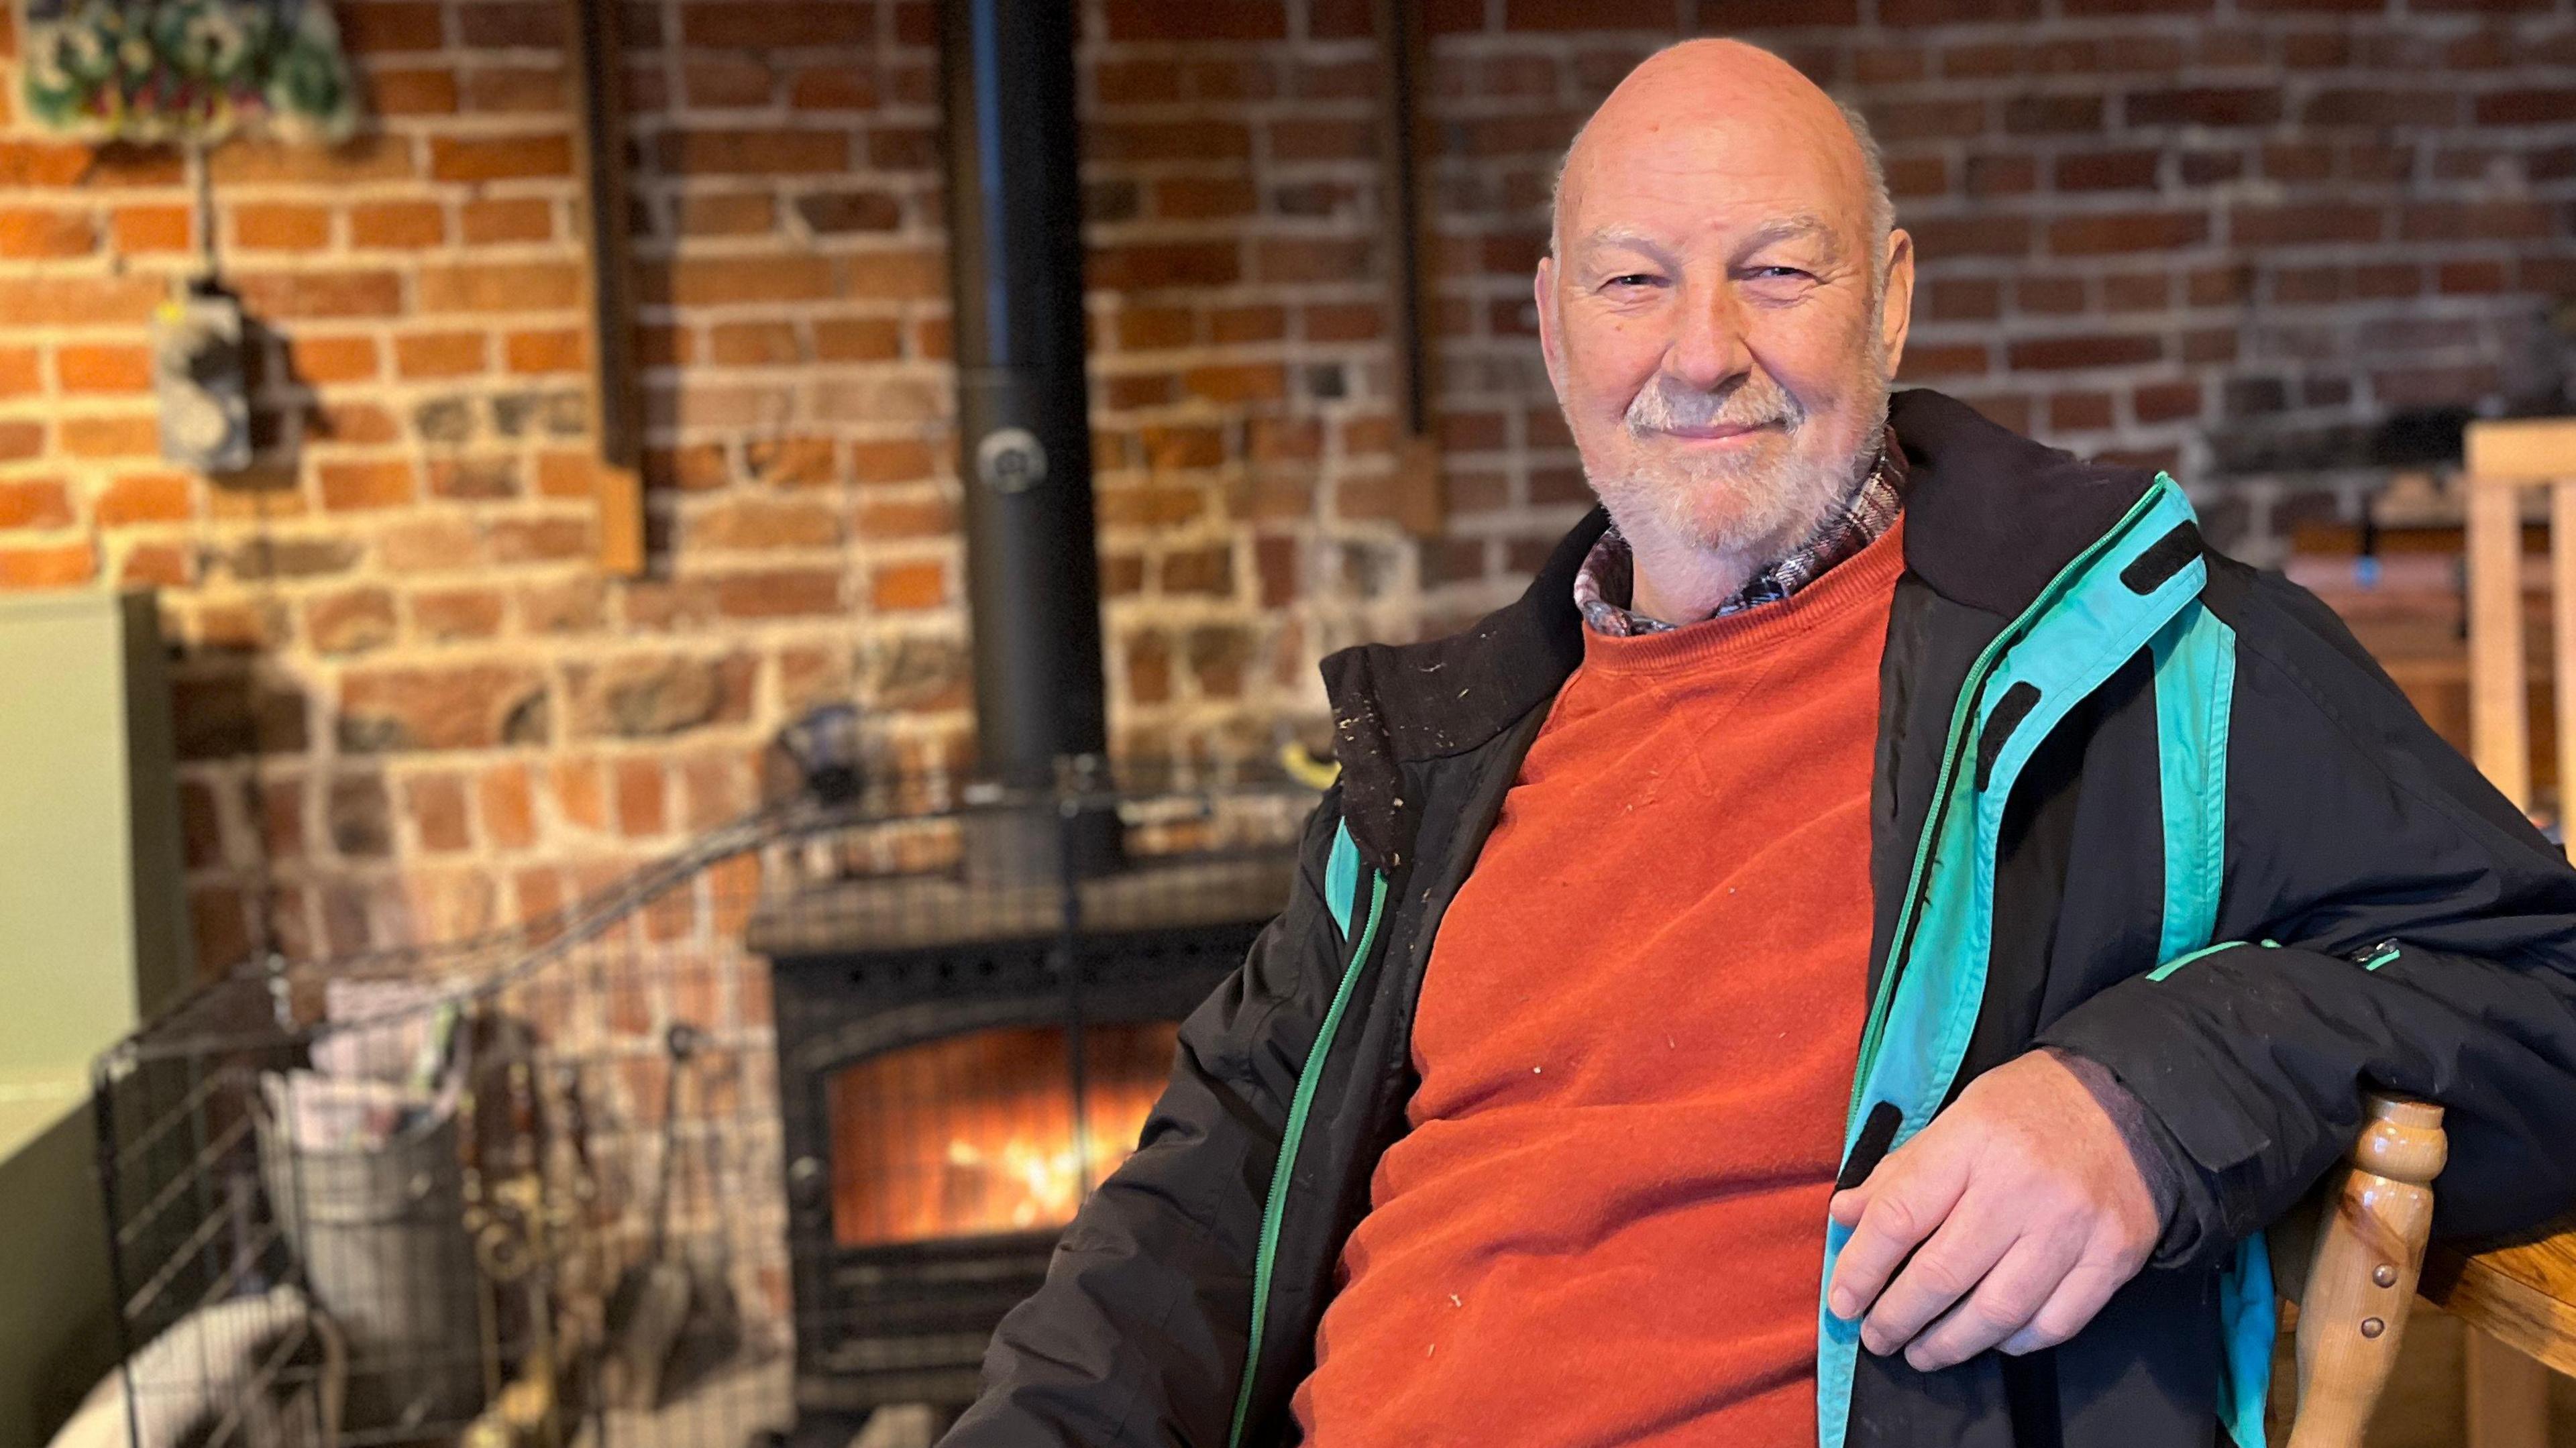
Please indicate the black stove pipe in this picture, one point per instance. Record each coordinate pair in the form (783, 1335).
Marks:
(1023, 418)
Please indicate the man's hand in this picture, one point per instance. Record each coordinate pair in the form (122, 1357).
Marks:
(2034, 1211)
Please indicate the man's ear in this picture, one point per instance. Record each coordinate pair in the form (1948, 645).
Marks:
(1896, 299)
(1543, 292)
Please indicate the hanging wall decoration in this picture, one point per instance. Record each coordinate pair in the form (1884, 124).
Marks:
(190, 71)
(193, 73)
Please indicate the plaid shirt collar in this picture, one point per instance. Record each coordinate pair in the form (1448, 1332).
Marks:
(1607, 579)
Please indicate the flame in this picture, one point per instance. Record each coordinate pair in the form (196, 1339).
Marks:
(975, 1135)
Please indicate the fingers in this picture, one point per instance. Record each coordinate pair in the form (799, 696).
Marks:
(2005, 1302)
(2078, 1297)
(1949, 1266)
(1909, 1195)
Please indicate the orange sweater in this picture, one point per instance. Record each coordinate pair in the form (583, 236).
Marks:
(1636, 1040)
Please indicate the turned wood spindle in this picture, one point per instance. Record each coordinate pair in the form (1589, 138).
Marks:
(2373, 1220)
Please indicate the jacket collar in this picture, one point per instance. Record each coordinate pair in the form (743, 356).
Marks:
(1990, 518)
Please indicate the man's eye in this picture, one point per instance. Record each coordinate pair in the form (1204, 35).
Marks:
(1776, 273)
(1633, 279)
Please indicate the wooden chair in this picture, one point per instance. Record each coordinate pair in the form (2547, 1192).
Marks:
(2354, 1263)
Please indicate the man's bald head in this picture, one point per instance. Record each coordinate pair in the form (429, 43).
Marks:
(1721, 81)
(1722, 304)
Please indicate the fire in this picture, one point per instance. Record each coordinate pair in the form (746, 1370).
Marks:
(975, 1134)
(1025, 1184)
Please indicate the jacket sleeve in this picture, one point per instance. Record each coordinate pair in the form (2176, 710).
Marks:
(1138, 1335)
(2404, 928)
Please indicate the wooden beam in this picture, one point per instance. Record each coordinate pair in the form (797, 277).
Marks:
(2523, 449)
(1421, 498)
(2499, 692)
(608, 289)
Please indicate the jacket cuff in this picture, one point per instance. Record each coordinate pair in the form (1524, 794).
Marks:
(2184, 1200)
(2167, 1058)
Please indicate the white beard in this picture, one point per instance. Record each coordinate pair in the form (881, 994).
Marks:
(1725, 503)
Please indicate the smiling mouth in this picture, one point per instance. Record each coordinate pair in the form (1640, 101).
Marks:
(1718, 431)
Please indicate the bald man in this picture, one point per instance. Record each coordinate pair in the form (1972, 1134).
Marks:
(1856, 955)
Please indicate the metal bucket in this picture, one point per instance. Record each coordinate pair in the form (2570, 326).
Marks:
(381, 1233)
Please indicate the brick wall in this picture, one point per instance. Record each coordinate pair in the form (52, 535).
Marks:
(2229, 237)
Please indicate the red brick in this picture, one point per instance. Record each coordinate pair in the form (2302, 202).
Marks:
(508, 807)
(1952, 361)
(902, 586)
(436, 804)
(353, 621)
(412, 92)
(271, 162)
(2321, 221)
(156, 565)
(775, 24)
(303, 295)
(1207, 19)
(371, 27)
(499, 158)
(467, 706)
(2049, 354)
(499, 287)
(1154, 265)
(531, 24)
(43, 163)
(710, 281)
(401, 224)
(751, 524)
(537, 353)
(640, 797)
(1938, 239)
(440, 354)
(111, 437)
(2052, 114)
(356, 422)
(2106, 171)
(754, 153)
(41, 504)
(2474, 221)
(474, 479)
(516, 90)
(2002, 175)
(137, 229)
(147, 498)
(2203, 106)
(57, 567)
(727, 213)
(103, 368)
(447, 615)
(778, 595)
(833, 88)
(889, 462)
(281, 226)
(512, 219)
(20, 439)
(28, 232)
(356, 486)
(2094, 235)
(79, 300)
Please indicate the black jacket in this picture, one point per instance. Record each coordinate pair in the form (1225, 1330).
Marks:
(2098, 743)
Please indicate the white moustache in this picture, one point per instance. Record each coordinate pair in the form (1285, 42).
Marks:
(1663, 407)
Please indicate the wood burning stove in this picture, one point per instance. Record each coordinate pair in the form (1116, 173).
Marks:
(960, 1059)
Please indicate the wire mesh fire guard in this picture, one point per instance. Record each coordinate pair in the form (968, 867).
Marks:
(763, 1137)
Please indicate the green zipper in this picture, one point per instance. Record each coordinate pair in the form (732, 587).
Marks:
(1308, 1079)
(1900, 944)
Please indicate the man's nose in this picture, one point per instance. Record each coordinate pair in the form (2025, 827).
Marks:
(1709, 349)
